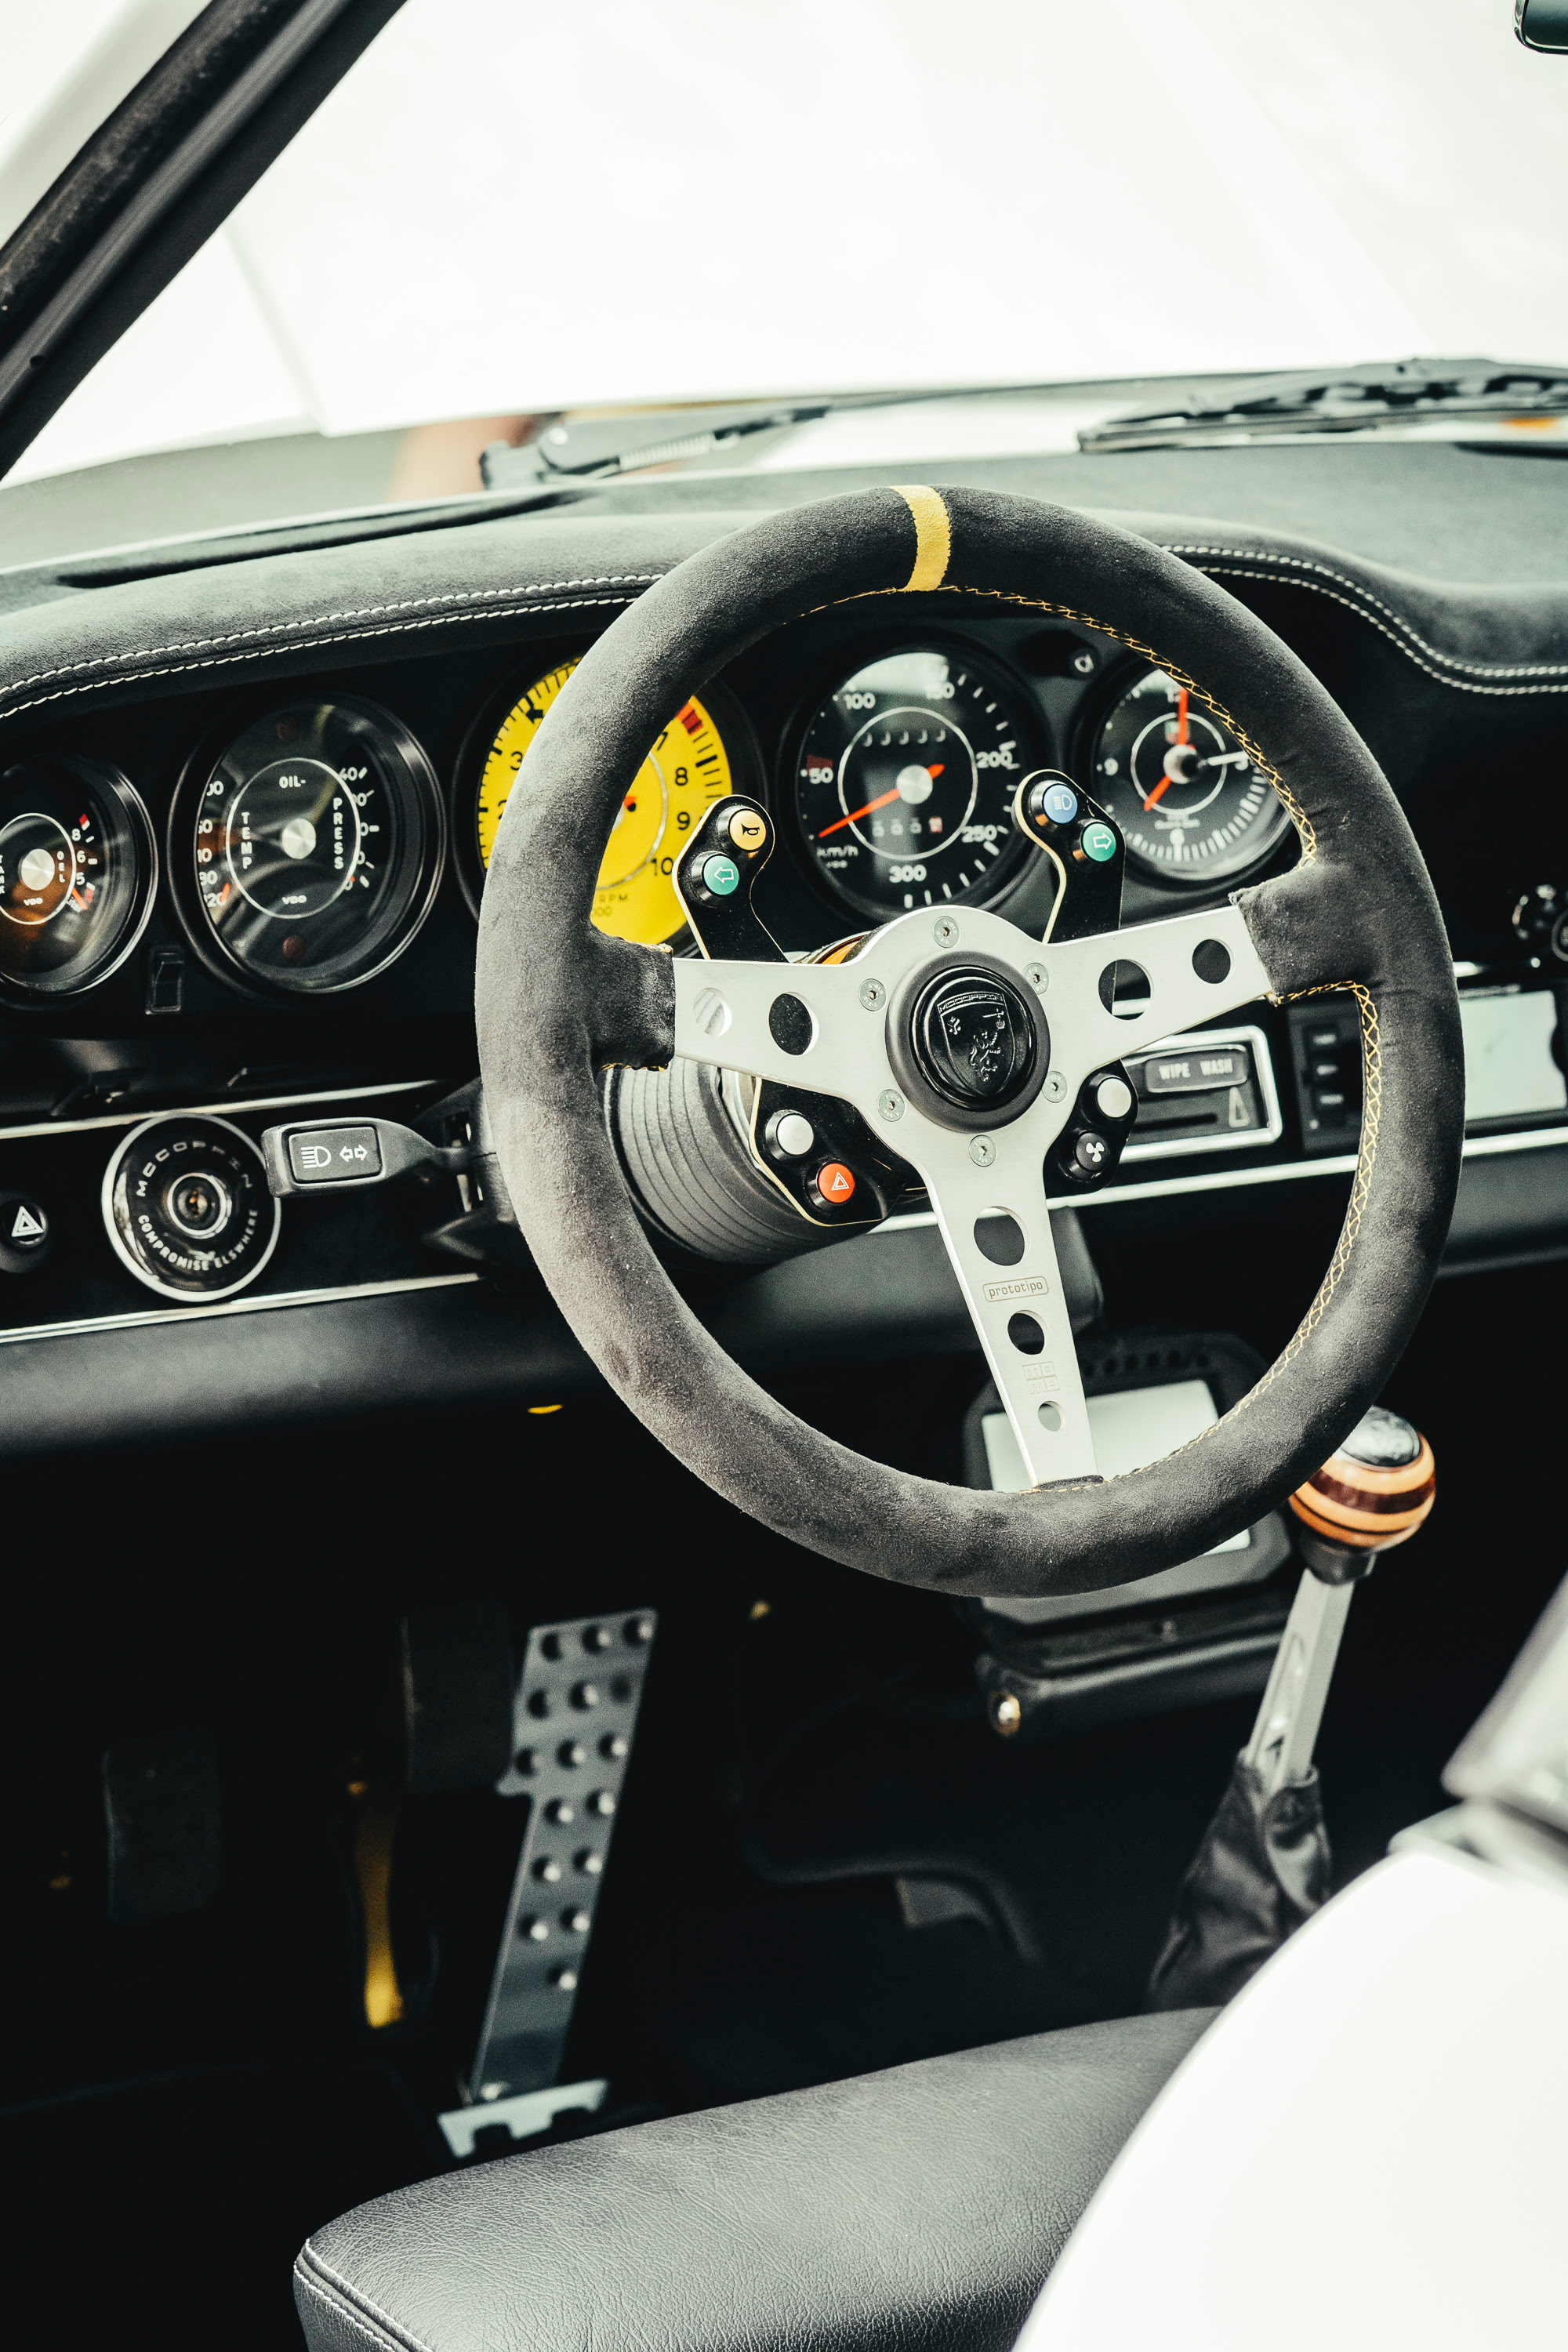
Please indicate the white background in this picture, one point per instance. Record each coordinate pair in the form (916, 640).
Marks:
(506, 208)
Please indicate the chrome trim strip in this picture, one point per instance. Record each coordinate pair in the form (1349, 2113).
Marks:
(1526, 1139)
(247, 1306)
(1223, 1180)
(1220, 1180)
(224, 1109)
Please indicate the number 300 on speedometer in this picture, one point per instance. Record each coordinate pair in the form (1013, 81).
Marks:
(904, 782)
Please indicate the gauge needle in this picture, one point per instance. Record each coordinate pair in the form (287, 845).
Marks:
(1167, 780)
(881, 802)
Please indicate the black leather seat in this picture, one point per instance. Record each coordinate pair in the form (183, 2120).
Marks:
(921, 2207)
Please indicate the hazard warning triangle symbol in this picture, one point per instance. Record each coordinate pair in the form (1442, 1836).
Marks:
(25, 1226)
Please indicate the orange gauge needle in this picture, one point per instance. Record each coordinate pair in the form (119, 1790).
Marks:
(1166, 781)
(881, 802)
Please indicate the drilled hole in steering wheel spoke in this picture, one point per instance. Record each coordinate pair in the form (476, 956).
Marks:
(999, 1237)
(1027, 1334)
(792, 1024)
(1124, 991)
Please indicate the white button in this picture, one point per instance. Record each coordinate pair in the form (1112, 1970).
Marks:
(1113, 1097)
(794, 1135)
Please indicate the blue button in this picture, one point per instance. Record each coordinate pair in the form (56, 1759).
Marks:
(1060, 803)
(1098, 842)
(721, 876)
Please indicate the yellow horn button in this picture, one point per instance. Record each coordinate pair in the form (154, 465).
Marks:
(687, 767)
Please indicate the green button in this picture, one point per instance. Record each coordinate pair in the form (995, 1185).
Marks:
(1098, 841)
(721, 876)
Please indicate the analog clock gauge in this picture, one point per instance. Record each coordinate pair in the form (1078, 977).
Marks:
(1191, 801)
(689, 765)
(904, 782)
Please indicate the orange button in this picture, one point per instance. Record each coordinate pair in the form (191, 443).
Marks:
(835, 1182)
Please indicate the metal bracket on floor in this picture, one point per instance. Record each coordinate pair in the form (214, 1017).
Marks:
(578, 1701)
(520, 2118)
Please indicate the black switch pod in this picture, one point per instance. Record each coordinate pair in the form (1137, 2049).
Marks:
(1091, 1146)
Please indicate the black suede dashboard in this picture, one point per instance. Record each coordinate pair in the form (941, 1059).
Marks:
(1460, 691)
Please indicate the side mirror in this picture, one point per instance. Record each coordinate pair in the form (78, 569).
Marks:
(1542, 24)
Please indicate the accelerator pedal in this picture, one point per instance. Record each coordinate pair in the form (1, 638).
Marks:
(575, 1717)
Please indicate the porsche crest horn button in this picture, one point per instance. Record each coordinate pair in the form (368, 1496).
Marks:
(974, 1040)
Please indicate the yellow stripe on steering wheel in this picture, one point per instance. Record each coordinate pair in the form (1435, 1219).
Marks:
(933, 535)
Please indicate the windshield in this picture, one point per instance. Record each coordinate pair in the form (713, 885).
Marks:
(502, 214)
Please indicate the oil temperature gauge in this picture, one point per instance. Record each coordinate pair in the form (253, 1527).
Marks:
(316, 845)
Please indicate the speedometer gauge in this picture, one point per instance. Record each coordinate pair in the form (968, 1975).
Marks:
(1191, 801)
(316, 842)
(688, 766)
(904, 781)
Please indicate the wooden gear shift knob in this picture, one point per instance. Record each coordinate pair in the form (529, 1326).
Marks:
(1374, 1492)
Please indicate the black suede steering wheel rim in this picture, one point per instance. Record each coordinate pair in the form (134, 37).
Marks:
(556, 1000)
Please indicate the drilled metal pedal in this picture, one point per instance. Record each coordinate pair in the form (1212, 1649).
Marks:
(576, 1713)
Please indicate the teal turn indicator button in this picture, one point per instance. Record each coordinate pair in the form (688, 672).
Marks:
(1098, 841)
(721, 876)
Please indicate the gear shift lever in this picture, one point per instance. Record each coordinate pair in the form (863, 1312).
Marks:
(1370, 1496)
(1264, 1865)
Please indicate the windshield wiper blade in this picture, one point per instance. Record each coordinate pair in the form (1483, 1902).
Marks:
(593, 447)
(1341, 400)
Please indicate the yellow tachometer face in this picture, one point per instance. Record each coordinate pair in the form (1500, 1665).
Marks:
(687, 768)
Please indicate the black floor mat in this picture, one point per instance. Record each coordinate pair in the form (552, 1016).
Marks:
(830, 1736)
(167, 2212)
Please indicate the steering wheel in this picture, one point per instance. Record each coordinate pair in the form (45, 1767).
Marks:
(556, 1000)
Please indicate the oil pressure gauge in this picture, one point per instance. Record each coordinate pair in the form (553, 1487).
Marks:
(315, 841)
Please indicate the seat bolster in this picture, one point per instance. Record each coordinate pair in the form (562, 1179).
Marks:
(920, 2208)
(336, 2319)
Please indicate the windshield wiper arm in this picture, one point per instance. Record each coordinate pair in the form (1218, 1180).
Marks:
(591, 447)
(1341, 400)
(594, 449)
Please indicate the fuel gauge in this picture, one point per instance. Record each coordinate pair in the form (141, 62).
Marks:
(77, 869)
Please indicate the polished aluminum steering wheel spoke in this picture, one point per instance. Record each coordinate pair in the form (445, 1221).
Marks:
(826, 1028)
(1196, 967)
(1018, 1308)
(800, 1025)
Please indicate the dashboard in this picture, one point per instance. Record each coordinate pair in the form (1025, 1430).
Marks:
(244, 814)
(303, 838)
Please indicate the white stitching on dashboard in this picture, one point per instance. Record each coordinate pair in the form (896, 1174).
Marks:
(1362, 601)
(297, 644)
(360, 613)
(1306, 573)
